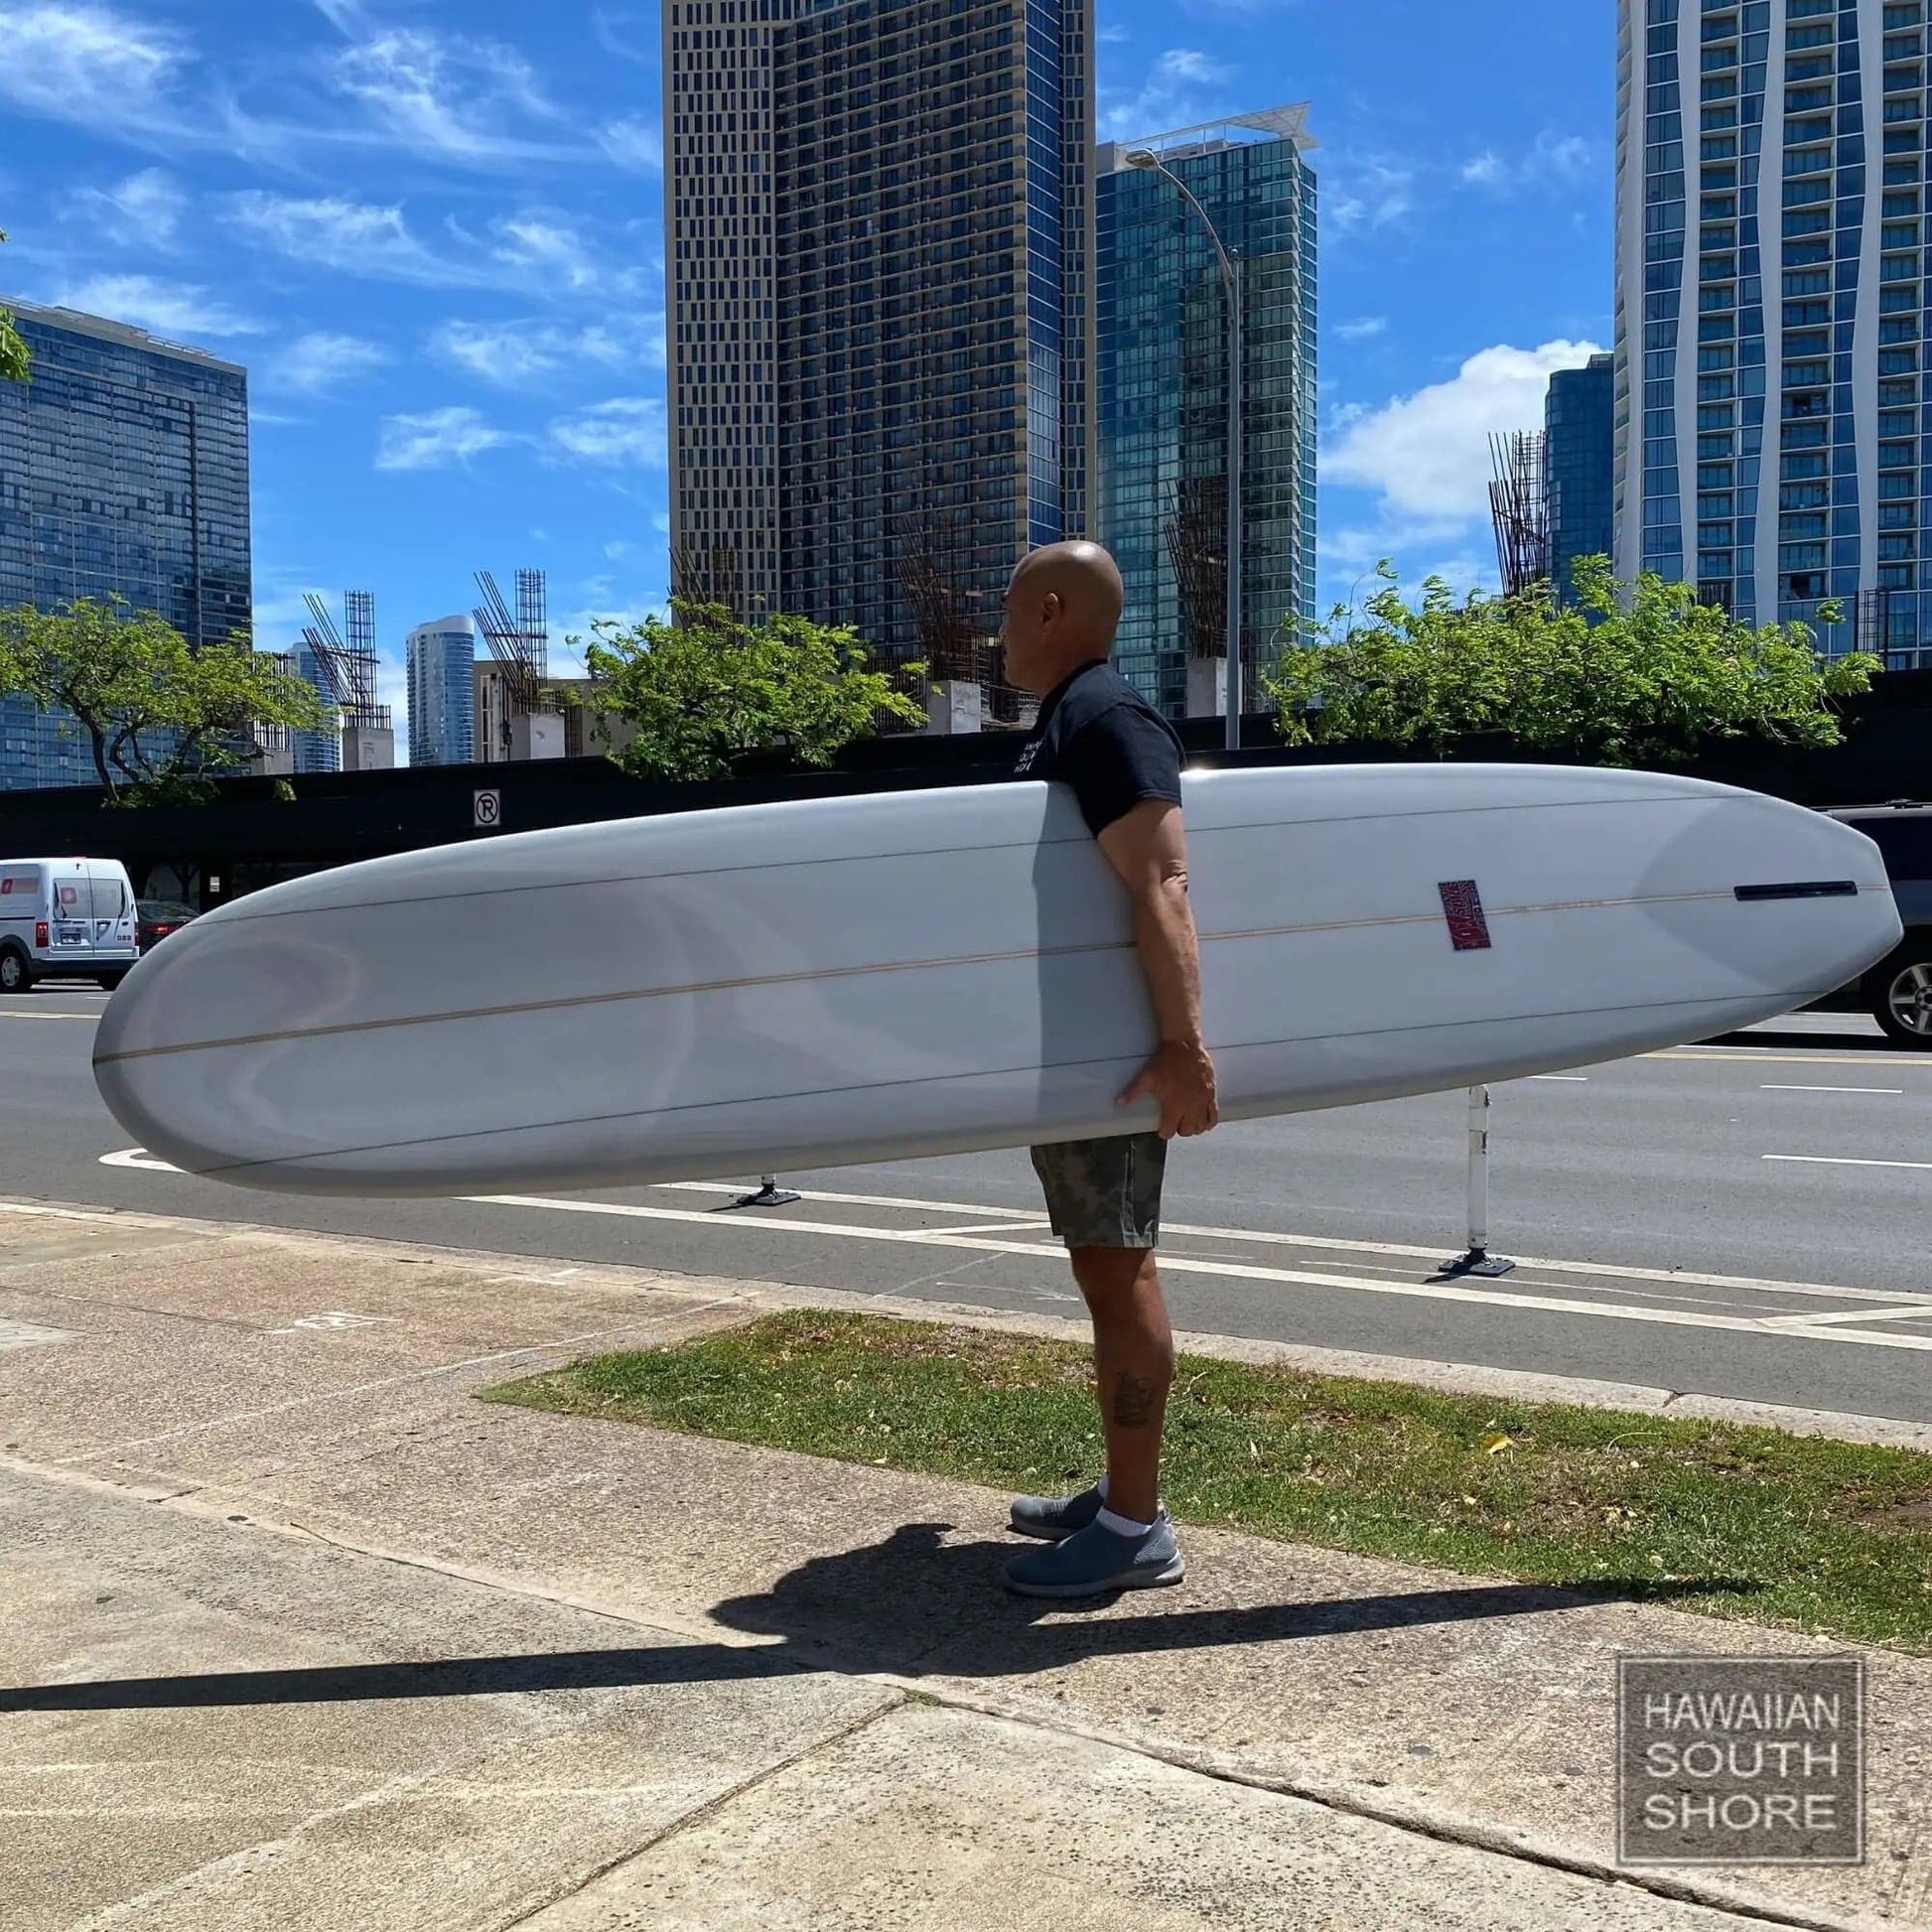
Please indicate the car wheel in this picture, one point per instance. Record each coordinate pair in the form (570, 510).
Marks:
(1903, 1002)
(16, 976)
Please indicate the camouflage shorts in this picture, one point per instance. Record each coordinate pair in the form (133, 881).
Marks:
(1104, 1193)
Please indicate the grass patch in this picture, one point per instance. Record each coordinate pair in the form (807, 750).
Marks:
(1832, 1538)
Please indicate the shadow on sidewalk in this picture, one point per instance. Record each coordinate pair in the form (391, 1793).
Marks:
(910, 1604)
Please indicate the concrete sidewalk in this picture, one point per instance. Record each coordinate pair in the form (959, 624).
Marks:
(295, 1632)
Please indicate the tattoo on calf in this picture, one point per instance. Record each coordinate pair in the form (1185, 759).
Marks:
(1133, 1401)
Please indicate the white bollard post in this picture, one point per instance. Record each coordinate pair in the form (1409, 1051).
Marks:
(1478, 1169)
(1479, 1260)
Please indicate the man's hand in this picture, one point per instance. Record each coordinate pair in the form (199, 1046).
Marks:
(1180, 1075)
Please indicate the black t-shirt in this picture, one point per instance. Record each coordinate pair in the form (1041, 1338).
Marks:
(1098, 735)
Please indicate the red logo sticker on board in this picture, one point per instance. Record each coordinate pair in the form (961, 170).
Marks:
(1462, 907)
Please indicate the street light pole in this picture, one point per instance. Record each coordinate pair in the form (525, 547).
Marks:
(1150, 163)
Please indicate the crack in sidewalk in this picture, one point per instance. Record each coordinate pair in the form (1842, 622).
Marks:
(712, 1807)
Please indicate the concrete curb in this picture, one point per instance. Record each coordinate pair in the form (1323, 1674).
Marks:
(742, 1301)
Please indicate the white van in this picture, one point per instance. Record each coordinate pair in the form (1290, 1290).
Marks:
(65, 918)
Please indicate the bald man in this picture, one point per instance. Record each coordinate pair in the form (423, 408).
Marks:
(1098, 736)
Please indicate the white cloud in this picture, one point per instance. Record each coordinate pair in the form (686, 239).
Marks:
(433, 439)
(355, 237)
(143, 210)
(1113, 36)
(517, 353)
(546, 251)
(318, 362)
(627, 33)
(1552, 160)
(1364, 329)
(626, 431)
(76, 61)
(444, 94)
(172, 309)
(1428, 455)
(1366, 192)
(635, 144)
(1169, 96)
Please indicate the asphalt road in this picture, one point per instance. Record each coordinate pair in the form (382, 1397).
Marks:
(1743, 1219)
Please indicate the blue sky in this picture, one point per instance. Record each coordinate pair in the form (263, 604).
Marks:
(433, 233)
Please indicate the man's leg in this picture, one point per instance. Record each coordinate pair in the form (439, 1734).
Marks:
(1132, 1358)
(1104, 1198)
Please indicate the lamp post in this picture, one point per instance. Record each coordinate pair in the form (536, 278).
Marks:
(1150, 163)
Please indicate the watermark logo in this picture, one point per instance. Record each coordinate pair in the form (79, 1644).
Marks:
(1740, 1760)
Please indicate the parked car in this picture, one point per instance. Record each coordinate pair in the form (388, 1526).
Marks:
(1897, 992)
(65, 918)
(158, 918)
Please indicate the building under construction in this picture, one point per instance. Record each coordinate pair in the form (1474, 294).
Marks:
(517, 714)
(342, 665)
(1519, 506)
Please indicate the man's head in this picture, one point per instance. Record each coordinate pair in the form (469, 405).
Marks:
(1063, 607)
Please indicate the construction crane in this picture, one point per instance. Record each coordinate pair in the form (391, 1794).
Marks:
(346, 667)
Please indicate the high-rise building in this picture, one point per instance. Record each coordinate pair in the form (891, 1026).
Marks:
(880, 268)
(441, 662)
(1770, 286)
(1162, 397)
(1579, 467)
(317, 751)
(123, 471)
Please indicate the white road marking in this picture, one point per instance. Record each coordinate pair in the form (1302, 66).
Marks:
(1581, 1079)
(1238, 1271)
(1770, 1086)
(1854, 1315)
(1025, 1220)
(1842, 1161)
(1891, 1062)
(138, 1156)
(8, 1015)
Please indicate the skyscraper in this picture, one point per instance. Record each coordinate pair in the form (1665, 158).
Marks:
(441, 662)
(1161, 401)
(880, 306)
(123, 471)
(317, 751)
(1579, 467)
(1770, 288)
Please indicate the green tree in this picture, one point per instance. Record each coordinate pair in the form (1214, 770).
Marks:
(1644, 678)
(14, 358)
(705, 690)
(161, 719)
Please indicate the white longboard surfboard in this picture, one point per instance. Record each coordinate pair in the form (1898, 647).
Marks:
(876, 978)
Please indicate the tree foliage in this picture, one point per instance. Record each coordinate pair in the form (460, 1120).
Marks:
(1642, 679)
(14, 358)
(159, 717)
(710, 688)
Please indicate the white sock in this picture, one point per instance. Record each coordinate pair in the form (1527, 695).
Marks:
(1121, 1525)
(1101, 1488)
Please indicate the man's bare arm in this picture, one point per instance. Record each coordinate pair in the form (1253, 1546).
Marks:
(1148, 848)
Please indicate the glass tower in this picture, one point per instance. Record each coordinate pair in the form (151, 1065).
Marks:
(1579, 467)
(1770, 293)
(1161, 401)
(442, 658)
(880, 320)
(123, 471)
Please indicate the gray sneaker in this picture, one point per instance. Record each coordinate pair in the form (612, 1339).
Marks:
(1094, 1561)
(1053, 1517)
